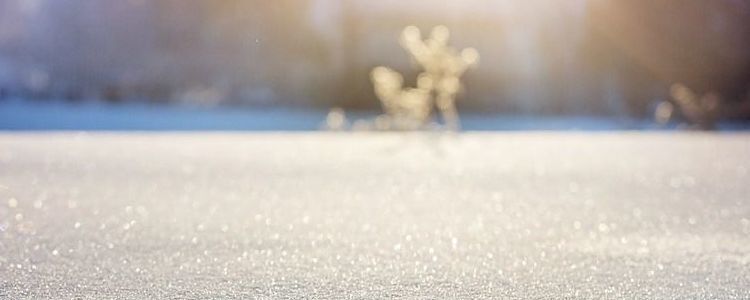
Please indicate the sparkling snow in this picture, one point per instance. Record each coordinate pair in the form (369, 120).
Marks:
(375, 215)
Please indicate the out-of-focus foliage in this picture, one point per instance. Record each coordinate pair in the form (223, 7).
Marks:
(443, 67)
(437, 85)
(538, 56)
(405, 108)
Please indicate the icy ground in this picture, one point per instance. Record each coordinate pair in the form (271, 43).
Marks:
(41, 115)
(350, 216)
(17, 114)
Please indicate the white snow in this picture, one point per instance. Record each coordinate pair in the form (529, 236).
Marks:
(374, 215)
(41, 115)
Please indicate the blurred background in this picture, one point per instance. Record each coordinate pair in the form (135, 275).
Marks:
(283, 63)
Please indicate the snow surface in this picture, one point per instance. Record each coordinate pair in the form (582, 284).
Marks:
(374, 215)
(17, 114)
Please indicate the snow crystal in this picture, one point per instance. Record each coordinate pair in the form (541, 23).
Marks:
(375, 215)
